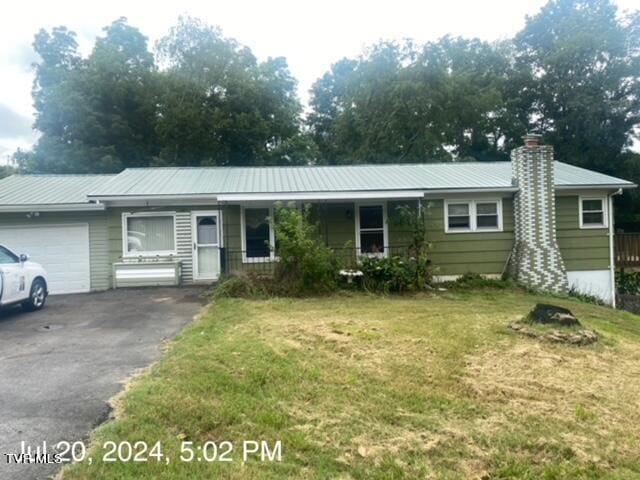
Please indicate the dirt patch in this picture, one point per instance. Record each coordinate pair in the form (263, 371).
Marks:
(366, 344)
(593, 391)
(582, 336)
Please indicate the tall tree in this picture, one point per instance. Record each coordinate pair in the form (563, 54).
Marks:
(210, 103)
(446, 100)
(585, 61)
(220, 106)
(95, 114)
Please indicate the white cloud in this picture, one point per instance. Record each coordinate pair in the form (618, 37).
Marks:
(13, 125)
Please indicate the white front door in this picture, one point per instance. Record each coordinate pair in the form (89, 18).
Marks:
(206, 231)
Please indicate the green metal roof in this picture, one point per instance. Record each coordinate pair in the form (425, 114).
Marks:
(41, 190)
(351, 178)
(76, 191)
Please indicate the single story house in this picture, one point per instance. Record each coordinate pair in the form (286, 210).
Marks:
(547, 223)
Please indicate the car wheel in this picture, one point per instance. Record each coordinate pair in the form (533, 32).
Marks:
(37, 296)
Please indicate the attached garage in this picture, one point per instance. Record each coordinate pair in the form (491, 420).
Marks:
(49, 218)
(63, 250)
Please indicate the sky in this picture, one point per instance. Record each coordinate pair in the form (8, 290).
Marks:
(311, 35)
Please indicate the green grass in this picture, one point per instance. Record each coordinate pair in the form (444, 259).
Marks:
(366, 387)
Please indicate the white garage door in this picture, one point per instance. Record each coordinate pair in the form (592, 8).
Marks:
(63, 250)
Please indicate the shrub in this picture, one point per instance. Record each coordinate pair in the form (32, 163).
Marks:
(416, 221)
(305, 264)
(241, 285)
(628, 282)
(585, 297)
(475, 280)
(394, 274)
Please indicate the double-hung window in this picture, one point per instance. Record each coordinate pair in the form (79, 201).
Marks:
(459, 216)
(593, 212)
(371, 230)
(472, 216)
(487, 217)
(257, 234)
(149, 234)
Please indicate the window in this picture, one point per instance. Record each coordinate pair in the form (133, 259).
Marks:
(472, 216)
(257, 234)
(459, 217)
(486, 215)
(7, 256)
(593, 212)
(149, 234)
(207, 231)
(371, 231)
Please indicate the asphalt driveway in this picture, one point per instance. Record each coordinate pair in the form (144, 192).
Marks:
(59, 366)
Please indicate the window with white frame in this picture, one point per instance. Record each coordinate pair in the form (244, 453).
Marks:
(459, 216)
(473, 216)
(593, 212)
(257, 234)
(149, 234)
(371, 234)
(487, 217)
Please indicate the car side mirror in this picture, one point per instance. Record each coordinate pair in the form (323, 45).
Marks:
(24, 257)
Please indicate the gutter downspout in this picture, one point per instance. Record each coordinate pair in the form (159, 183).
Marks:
(612, 264)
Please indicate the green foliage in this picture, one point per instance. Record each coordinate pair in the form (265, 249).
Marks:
(584, 61)
(220, 106)
(572, 74)
(584, 57)
(402, 273)
(305, 265)
(402, 102)
(210, 103)
(475, 281)
(394, 274)
(241, 285)
(585, 297)
(628, 282)
(95, 114)
(7, 170)
(416, 221)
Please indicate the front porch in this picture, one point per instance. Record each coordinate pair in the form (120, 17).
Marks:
(199, 244)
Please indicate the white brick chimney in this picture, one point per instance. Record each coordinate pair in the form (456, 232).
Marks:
(536, 260)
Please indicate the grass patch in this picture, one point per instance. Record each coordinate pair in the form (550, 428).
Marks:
(361, 387)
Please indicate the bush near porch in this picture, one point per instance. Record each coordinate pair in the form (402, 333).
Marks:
(306, 266)
(368, 387)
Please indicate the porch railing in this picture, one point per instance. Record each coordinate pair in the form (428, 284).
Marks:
(238, 260)
(627, 250)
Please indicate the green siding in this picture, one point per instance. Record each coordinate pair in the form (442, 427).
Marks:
(99, 258)
(451, 254)
(582, 249)
(477, 252)
(231, 227)
(337, 224)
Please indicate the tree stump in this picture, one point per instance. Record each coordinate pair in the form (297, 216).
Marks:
(552, 314)
(555, 316)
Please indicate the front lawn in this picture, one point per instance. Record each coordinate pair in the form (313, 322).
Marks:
(385, 387)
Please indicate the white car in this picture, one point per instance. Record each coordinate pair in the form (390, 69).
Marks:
(21, 281)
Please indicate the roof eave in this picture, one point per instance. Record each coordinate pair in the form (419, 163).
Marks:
(53, 207)
(601, 186)
(176, 196)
